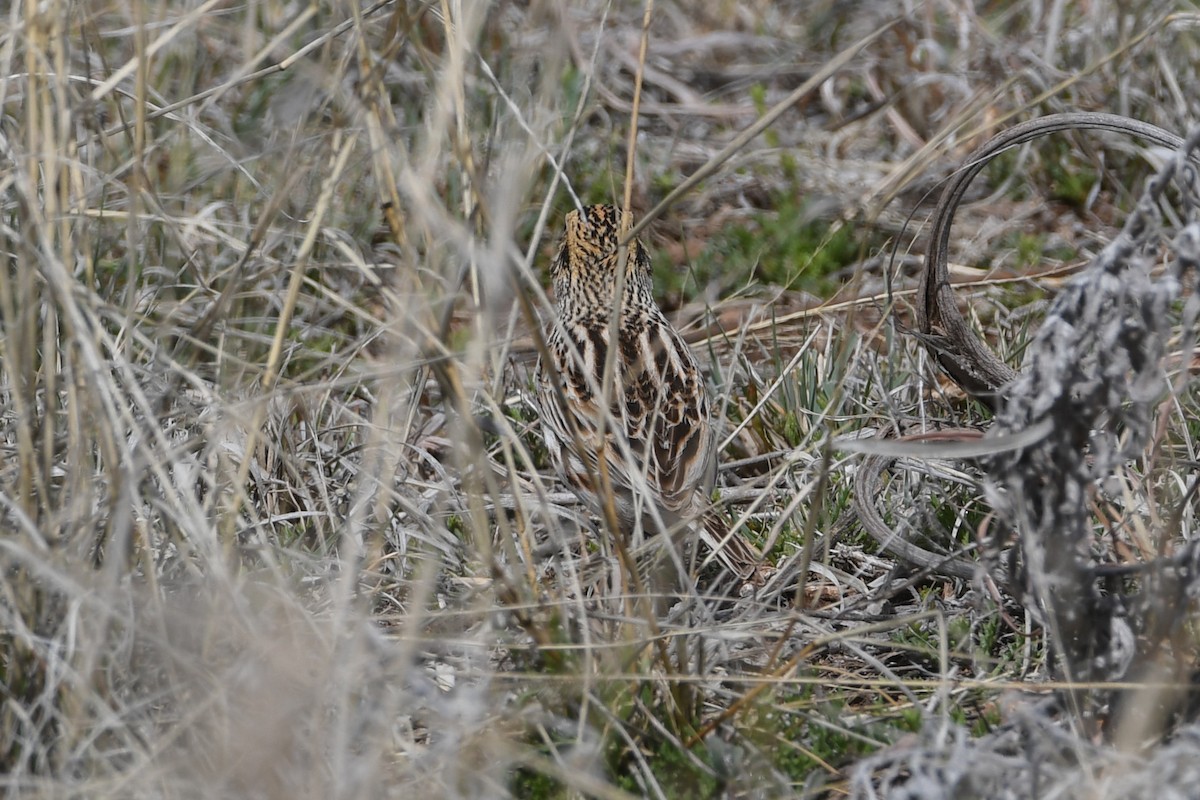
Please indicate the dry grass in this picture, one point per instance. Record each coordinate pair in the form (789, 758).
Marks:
(277, 521)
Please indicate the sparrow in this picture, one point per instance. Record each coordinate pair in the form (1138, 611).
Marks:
(650, 446)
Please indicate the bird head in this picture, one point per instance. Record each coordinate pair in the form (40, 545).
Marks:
(585, 268)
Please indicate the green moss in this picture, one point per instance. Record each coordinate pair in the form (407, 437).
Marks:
(785, 248)
(676, 772)
(791, 429)
(789, 166)
(528, 783)
(572, 82)
(758, 95)
(816, 730)
(987, 715)
(1060, 172)
(665, 182)
(1071, 180)
(250, 114)
(1029, 248)
(1001, 168)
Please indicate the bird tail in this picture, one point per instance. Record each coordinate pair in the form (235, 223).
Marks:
(732, 550)
(718, 542)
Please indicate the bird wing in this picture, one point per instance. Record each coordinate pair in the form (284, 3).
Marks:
(678, 414)
(658, 420)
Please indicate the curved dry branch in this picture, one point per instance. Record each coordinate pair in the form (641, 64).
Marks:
(869, 488)
(940, 326)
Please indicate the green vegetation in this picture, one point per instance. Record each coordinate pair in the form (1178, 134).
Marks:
(278, 520)
(781, 247)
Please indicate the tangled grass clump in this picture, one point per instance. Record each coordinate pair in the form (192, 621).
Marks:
(275, 516)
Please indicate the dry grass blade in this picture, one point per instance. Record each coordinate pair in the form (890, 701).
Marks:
(278, 518)
(739, 142)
